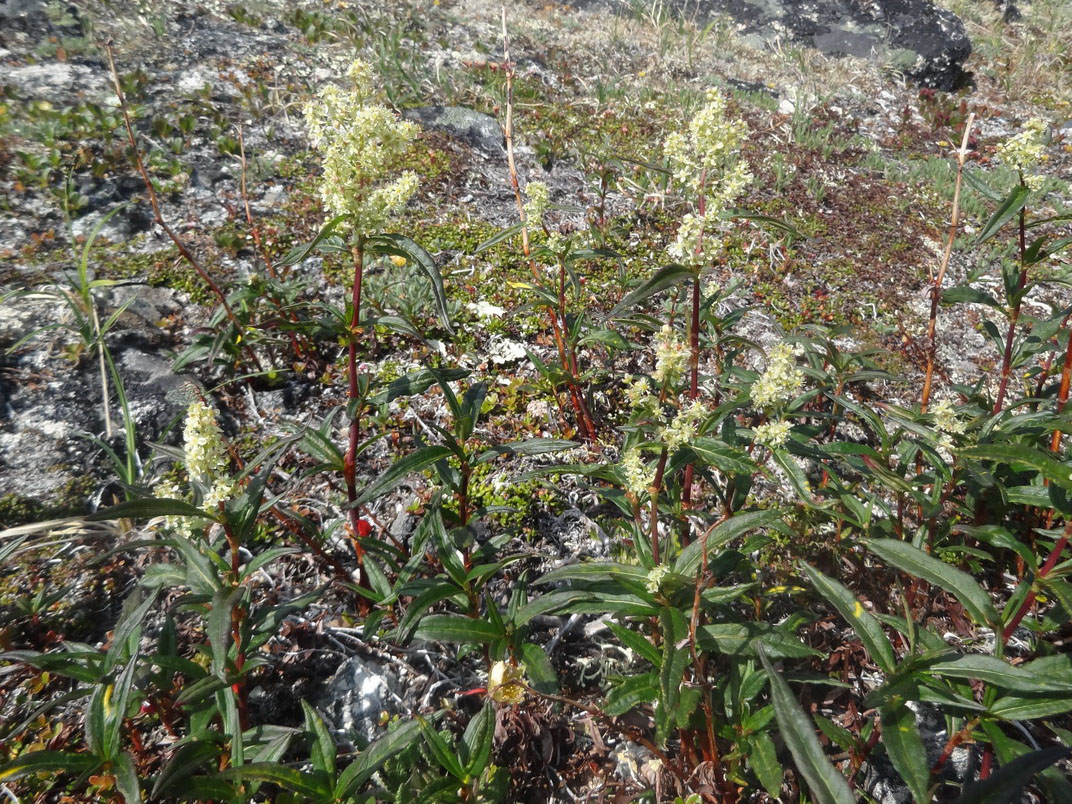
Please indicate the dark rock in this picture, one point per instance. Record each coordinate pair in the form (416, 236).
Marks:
(22, 16)
(926, 43)
(479, 130)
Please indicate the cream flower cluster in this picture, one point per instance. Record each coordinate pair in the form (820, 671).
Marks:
(538, 200)
(683, 428)
(638, 475)
(206, 456)
(638, 393)
(781, 381)
(1024, 151)
(671, 356)
(705, 160)
(772, 434)
(360, 141)
(653, 583)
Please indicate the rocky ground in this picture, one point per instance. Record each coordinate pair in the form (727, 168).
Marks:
(847, 149)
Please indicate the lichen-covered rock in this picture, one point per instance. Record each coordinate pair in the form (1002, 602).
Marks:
(926, 43)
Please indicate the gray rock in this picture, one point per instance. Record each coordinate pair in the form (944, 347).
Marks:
(479, 130)
(58, 81)
(926, 43)
(355, 698)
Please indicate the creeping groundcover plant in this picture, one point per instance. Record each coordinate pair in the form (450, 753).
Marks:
(697, 559)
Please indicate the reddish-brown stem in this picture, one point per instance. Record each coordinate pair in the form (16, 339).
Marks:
(238, 614)
(353, 398)
(952, 743)
(158, 217)
(694, 384)
(1062, 393)
(1044, 570)
(937, 279)
(1014, 317)
(653, 492)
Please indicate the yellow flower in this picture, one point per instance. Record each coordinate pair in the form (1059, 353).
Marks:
(506, 683)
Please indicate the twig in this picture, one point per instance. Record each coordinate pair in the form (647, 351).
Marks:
(158, 217)
(937, 279)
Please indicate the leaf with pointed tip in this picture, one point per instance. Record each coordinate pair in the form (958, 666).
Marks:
(1012, 204)
(905, 747)
(963, 587)
(739, 524)
(663, 279)
(825, 783)
(372, 758)
(1006, 783)
(400, 470)
(401, 246)
(863, 622)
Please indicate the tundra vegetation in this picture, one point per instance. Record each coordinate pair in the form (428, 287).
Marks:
(635, 516)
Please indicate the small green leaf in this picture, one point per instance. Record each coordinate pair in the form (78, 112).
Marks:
(826, 785)
(442, 752)
(959, 584)
(126, 778)
(219, 624)
(632, 692)
(477, 740)
(763, 759)
(323, 750)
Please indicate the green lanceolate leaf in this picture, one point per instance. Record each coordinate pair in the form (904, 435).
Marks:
(663, 279)
(126, 778)
(1004, 785)
(313, 786)
(495, 239)
(1017, 454)
(739, 524)
(905, 747)
(442, 752)
(402, 246)
(763, 760)
(475, 748)
(373, 757)
(532, 446)
(1012, 204)
(541, 673)
(47, 762)
(300, 252)
(1000, 673)
(959, 584)
(866, 626)
(634, 691)
(398, 472)
(727, 459)
(456, 628)
(149, 507)
(825, 783)
(322, 752)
